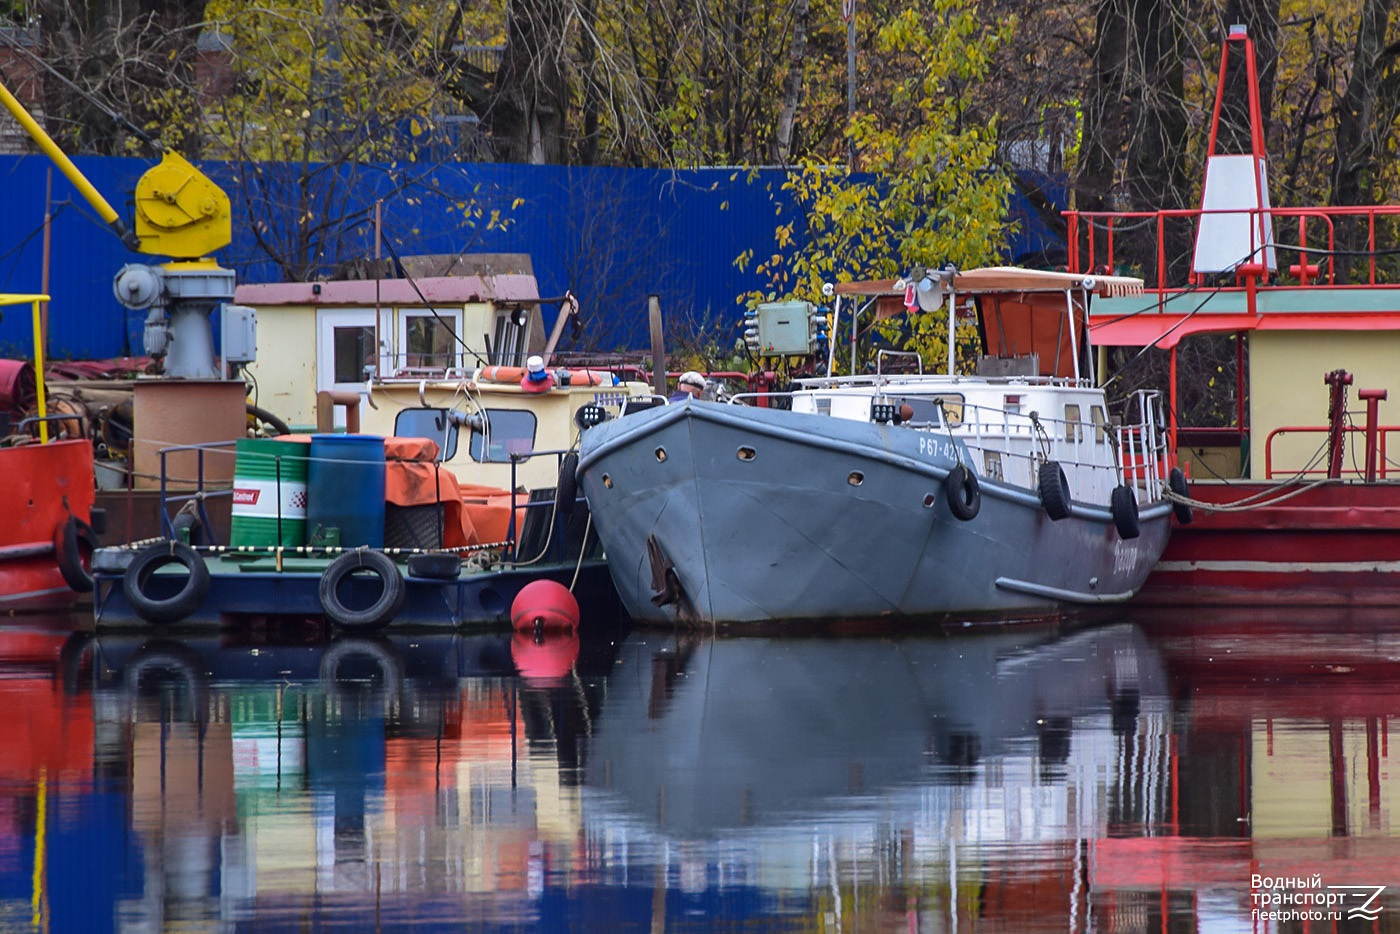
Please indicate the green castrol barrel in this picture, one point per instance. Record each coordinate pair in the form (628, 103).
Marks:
(269, 493)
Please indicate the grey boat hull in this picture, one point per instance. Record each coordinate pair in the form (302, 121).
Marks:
(715, 514)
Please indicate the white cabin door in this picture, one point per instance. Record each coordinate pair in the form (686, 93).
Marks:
(348, 347)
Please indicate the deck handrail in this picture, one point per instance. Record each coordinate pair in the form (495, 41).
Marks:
(1140, 462)
(1382, 432)
(1088, 229)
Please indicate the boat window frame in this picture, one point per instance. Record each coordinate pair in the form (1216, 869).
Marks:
(476, 444)
(402, 322)
(446, 439)
(1074, 422)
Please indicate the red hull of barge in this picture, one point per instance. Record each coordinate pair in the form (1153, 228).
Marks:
(41, 486)
(1332, 545)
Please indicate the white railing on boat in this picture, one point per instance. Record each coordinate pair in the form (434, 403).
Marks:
(1010, 446)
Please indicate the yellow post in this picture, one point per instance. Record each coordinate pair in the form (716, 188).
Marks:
(35, 301)
(39, 373)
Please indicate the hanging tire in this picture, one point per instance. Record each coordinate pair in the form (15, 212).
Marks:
(963, 492)
(1176, 481)
(1054, 490)
(73, 544)
(435, 565)
(1123, 505)
(137, 583)
(381, 610)
(566, 493)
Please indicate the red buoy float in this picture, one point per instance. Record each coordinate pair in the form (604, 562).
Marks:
(544, 604)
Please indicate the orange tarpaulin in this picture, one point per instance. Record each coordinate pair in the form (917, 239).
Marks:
(473, 514)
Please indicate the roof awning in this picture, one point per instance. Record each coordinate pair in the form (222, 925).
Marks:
(1166, 331)
(1163, 331)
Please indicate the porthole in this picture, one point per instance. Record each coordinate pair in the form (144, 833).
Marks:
(856, 478)
(661, 455)
(607, 481)
(746, 453)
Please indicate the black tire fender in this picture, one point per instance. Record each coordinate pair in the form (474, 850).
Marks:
(1176, 482)
(963, 492)
(566, 494)
(1054, 490)
(1123, 505)
(73, 544)
(136, 582)
(435, 565)
(379, 613)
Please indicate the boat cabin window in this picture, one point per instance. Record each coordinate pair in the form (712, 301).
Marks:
(508, 345)
(1073, 429)
(429, 341)
(507, 432)
(1096, 415)
(353, 349)
(431, 424)
(926, 408)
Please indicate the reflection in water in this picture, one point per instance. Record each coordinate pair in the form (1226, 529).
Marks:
(1130, 777)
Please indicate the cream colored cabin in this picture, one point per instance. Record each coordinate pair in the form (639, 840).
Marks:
(412, 357)
(1287, 392)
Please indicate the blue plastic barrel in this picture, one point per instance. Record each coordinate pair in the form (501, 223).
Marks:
(345, 491)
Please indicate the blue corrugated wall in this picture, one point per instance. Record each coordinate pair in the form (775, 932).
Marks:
(613, 236)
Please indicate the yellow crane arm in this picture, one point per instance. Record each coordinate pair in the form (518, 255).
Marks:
(65, 165)
(180, 212)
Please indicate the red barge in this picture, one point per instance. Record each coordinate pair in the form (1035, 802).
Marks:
(46, 495)
(1285, 508)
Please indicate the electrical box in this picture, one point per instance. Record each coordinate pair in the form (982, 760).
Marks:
(239, 334)
(778, 329)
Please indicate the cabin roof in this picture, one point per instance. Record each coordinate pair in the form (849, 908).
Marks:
(1007, 279)
(446, 290)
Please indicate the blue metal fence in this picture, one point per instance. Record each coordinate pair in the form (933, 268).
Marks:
(612, 236)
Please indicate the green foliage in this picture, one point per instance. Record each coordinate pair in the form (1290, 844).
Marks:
(929, 192)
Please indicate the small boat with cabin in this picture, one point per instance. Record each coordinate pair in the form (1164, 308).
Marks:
(1004, 489)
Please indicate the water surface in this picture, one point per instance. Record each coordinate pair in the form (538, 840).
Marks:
(1168, 772)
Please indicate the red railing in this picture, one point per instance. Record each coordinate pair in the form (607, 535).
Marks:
(1381, 467)
(1093, 238)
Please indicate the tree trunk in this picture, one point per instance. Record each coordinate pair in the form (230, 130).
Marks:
(527, 116)
(1356, 139)
(1104, 114)
(1156, 175)
(792, 84)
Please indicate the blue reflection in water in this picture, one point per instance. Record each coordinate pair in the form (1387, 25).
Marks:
(1134, 776)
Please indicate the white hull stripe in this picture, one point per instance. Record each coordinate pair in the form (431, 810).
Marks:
(254, 498)
(1282, 567)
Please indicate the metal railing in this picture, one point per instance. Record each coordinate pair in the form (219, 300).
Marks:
(1096, 456)
(1382, 465)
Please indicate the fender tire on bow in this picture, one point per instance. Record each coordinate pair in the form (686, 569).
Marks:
(963, 492)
